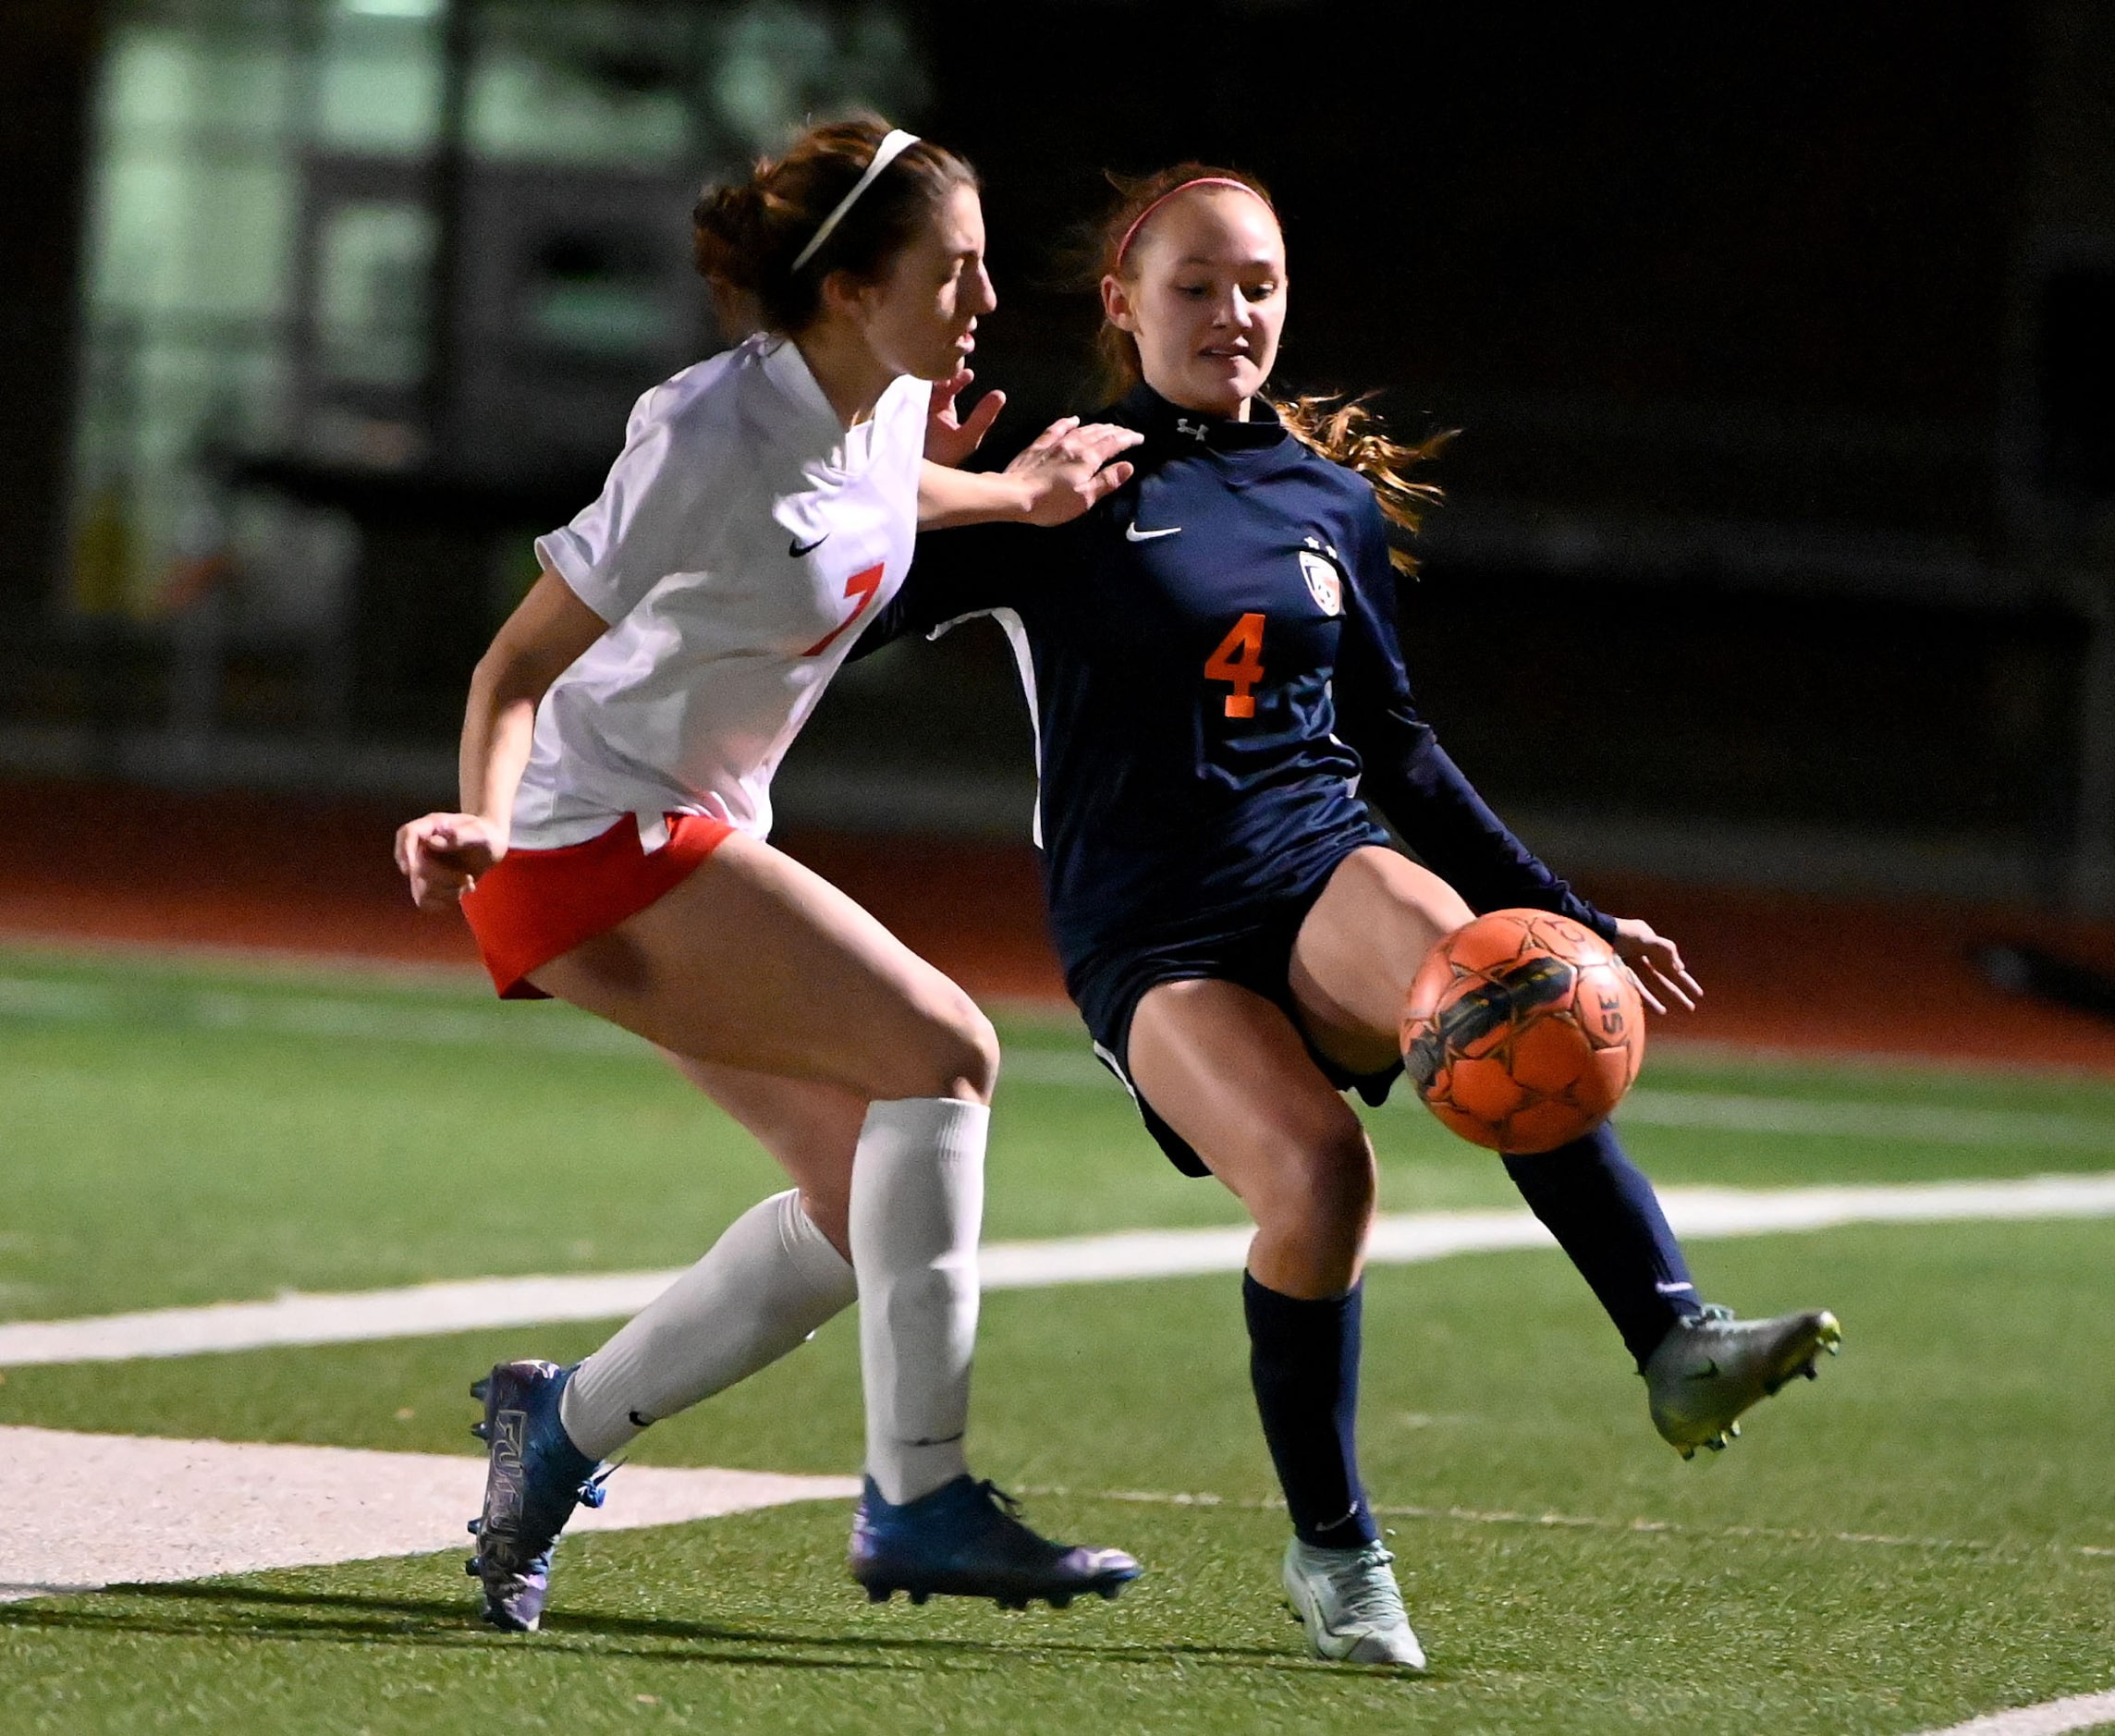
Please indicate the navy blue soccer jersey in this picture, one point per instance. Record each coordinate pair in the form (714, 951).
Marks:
(1210, 654)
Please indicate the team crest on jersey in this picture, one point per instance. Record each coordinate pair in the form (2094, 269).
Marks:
(1325, 582)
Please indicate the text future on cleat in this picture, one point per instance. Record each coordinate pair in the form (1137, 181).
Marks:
(534, 1476)
(1351, 1605)
(965, 1539)
(1711, 1367)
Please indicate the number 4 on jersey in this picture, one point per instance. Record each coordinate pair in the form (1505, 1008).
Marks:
(1239, 659)
(861, 585)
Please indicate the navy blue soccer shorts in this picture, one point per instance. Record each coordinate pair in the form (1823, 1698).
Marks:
(1250, 946)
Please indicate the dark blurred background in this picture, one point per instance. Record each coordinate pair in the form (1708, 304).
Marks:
(1780, 539)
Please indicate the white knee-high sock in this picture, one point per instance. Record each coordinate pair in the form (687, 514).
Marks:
(763, 1287)
(918, 1202)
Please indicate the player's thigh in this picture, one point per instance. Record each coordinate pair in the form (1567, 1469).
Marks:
(752, 961)
(811, 1128)
(1227, 1071)
(1361, 945)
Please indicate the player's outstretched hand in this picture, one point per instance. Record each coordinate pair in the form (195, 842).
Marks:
(1656, 964)
(950, 437)
(443, 854)
(1068, 468)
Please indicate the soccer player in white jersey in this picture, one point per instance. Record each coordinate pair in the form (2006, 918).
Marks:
(616, 758)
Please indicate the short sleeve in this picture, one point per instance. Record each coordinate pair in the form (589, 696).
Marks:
(650, 520)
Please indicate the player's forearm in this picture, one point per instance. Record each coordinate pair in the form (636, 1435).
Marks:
(499, 725)
(549, 630)
(948, 497)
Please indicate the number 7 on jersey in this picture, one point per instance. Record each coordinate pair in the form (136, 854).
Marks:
(861, 585)
(1239, 659)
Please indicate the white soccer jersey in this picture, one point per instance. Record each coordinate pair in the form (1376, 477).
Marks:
(742, 542)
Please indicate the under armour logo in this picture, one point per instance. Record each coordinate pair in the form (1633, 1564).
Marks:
(1195, 430)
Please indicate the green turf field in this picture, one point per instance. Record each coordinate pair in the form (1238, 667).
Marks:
(1926, 1534)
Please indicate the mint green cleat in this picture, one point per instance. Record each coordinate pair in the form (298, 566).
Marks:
(1711, 1367)
(1351, 1605)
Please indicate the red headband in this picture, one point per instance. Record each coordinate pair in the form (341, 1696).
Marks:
(1123, 246)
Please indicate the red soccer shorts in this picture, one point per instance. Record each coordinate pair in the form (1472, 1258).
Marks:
(536, 904)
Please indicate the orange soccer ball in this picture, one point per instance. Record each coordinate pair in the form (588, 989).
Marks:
(1524, 1030)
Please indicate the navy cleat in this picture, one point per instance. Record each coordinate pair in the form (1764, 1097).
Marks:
(965, 1539)
(535, 1477)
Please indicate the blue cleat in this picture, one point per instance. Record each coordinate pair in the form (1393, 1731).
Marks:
(965, 1539)
(535, 1477)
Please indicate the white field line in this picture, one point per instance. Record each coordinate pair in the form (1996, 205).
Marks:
(116, 1510)
(1576, 1521)
(40, 998)
(121, 1509)
(1918, 1123)
(351, 1020)
(2084, 1711)
(1743, 1113)
(428, 1310)
(2056, 1718)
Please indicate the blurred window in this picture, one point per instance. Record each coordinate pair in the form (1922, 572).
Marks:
(377, 71)
(582, 84)
(267, 217)
(374, 264)
(593, 295)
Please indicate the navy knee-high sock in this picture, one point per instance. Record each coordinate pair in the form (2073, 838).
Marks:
(1303, 1360)
(1604, 1214)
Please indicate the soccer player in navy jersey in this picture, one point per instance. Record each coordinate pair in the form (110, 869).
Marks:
(1211, 657)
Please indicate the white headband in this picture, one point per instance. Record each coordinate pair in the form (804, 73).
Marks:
(892, 147)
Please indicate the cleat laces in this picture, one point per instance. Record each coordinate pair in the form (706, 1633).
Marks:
(1366, 1591)
(591, 1493)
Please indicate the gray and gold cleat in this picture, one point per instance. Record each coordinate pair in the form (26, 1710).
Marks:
(1711, 1367)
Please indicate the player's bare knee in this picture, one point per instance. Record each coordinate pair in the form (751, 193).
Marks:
(1336, 1185)
(979, 1060)
(1321, 1190)
(956, 1053)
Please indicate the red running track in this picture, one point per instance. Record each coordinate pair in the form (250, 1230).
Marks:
(109, 865)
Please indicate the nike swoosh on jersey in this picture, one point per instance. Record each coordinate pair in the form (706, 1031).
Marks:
(797, 548)
(1134, 534)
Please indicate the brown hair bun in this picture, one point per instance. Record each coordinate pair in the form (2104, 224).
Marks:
(746, 235)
